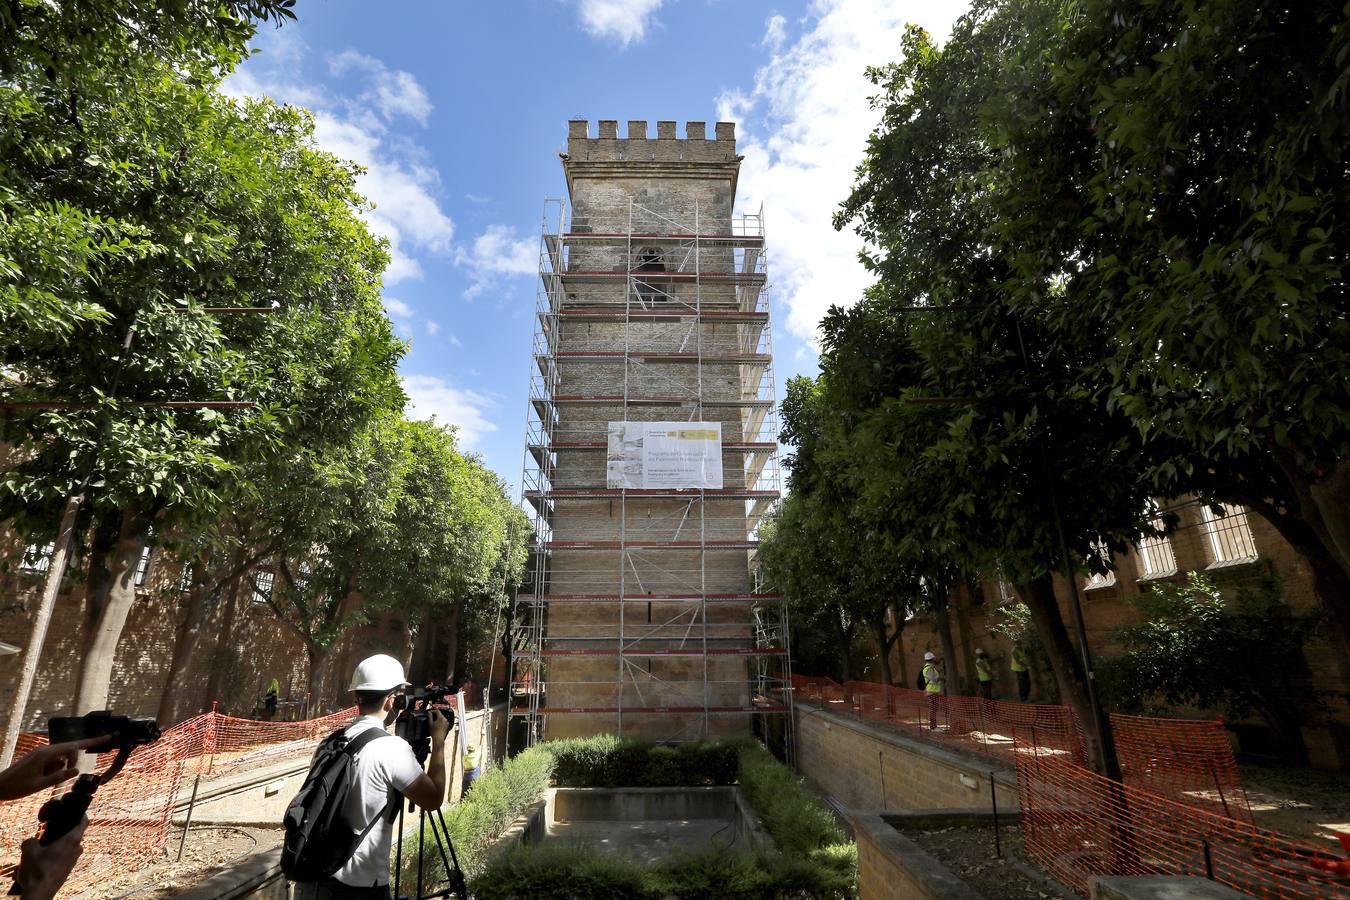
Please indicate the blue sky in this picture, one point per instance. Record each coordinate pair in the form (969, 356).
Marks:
(458, 111)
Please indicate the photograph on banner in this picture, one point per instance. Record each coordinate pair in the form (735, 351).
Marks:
(672, 455)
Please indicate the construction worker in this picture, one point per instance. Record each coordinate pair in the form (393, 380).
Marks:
(471, 766)
(1021, 666)
(932, 680)
(984, 673)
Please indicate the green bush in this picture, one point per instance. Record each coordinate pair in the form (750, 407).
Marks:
(799, 823)
(608, 761)
(497, 799)
(566, 871)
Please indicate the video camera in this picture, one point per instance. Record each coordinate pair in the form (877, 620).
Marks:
(59, 816)
(414, 715)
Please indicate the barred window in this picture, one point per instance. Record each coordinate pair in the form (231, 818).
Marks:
(262, 585)
(1156, 559)
(143, 565)
(1006, 594)
(185, 578)
(1103, 579)
(37, 558)
(1229, 534)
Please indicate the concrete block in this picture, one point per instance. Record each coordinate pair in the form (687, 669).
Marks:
(1159, 887)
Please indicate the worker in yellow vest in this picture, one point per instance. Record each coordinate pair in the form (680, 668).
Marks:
(984, 673)
(932, 685)
(1021, 667)
(471, 763)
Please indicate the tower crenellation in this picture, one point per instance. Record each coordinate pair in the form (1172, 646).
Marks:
(694, 146)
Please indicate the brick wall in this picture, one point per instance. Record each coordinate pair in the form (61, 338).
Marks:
(245, 657)
(1107, 608)
(866, 766)
(892, 867)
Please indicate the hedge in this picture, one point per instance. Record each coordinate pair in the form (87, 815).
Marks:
(497, 799)
(607, 761)
(565, 872)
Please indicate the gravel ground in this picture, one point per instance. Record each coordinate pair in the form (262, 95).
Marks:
(969, 854)
(209, 849)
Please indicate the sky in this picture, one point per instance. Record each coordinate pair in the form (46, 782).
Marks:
(457, 111)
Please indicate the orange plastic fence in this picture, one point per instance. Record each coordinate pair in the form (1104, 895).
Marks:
(1077, 824)
(1186, 760)
(129, 818)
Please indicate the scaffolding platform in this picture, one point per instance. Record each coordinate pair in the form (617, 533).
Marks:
(643, 618)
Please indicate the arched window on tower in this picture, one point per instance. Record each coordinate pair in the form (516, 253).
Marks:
(649, 260)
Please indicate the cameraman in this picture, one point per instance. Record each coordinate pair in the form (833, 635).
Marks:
(384, 769)
(42, 870)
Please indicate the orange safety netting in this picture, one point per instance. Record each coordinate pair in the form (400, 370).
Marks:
(1187, 760)
(1077, 824)
(130, 816)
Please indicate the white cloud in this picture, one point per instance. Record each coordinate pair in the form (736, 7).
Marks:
(497, 252)
(397, 308)
(804, 128)
(775, 32)
(622, 21)
(430, 396)
(390, 92)
(433, 328)
(360, 127)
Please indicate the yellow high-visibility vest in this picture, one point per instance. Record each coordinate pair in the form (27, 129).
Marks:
(470, 759)
(932, 679)
(1019, 660)
(982, 670)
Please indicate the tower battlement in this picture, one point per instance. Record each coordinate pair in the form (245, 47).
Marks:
(666, 146)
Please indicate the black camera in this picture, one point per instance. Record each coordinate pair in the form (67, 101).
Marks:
(126, 732)
(414, 716)
(60, 815)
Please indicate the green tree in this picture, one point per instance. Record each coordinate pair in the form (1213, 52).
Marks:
(1196, 648)
(1176, 173)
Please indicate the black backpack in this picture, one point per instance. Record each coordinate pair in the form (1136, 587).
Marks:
(319, 839)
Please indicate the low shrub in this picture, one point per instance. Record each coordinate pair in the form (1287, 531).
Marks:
(496, 800)
(564, 872)
(607, 761)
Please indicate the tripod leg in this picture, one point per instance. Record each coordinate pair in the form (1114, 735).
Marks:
(421, 831)
(398, 853)
(455, 873)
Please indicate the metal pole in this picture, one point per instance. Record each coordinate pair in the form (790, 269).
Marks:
(993, 802)
(187, 823)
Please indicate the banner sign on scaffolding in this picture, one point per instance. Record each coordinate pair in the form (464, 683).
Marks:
(671, 455)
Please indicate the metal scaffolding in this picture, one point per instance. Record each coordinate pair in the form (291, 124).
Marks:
(648, 320)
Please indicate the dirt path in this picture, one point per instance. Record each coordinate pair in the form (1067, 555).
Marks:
(209, 849)
(1301, 802)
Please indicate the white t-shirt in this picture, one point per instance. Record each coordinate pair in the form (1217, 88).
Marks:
(383, 765)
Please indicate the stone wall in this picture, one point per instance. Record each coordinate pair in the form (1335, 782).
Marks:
(867, 766)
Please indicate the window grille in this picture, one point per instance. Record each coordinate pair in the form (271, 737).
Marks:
(143, 565)
(1006, 594)
(1229, 534)
(1156, 559)
(185, 578)
(1100, 579)
(262, 585)
(37, 558)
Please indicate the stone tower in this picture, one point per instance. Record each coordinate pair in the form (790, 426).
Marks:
(650, 453)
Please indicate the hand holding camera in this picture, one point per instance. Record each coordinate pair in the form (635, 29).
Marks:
(45, 767)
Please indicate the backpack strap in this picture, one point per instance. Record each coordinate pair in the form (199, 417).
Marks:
(354, 746)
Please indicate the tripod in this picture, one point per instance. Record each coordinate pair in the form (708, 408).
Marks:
(441, 832)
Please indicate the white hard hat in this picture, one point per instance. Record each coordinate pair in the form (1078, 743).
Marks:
(928, 655)
(378, 673)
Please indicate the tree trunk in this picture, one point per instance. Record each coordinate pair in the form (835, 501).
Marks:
(419, 665)
(1332, 497)
(843, 632)
(901, 664)
(1039, 596)
(964, 599)
(883, 648)
(202, 600)
(91, 687)
(451, 661)
(318, 665)
(222, 660)
(942, 622)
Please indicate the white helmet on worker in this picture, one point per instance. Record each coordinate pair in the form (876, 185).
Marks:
(378, 673)
(929, 655)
